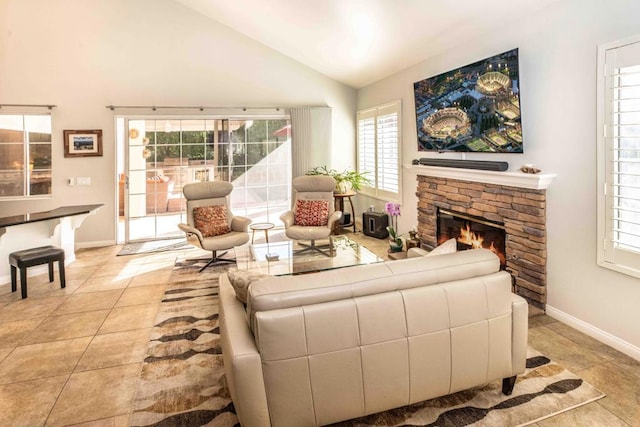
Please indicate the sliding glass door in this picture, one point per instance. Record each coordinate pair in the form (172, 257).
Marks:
(164, 154)
(260, 168)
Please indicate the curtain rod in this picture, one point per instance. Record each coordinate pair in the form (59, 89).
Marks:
(198, 107)
(49, 106)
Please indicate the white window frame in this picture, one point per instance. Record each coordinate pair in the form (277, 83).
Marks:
(375, 190)
(611, 254)
(28, 170)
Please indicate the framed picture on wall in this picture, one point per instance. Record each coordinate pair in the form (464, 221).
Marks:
(82, 143)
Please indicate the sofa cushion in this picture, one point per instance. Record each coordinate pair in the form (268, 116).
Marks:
(448, 247)
(332, 285)
(211, 220)
(241, 280)
(311, 213)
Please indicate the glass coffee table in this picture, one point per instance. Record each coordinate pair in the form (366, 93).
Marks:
(280, 258)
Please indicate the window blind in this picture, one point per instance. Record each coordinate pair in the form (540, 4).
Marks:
(621, 144)
(387, 175)
(367, 146)
(379, 149)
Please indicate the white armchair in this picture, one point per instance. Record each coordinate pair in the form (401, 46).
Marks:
(316, 189)
(207, 195)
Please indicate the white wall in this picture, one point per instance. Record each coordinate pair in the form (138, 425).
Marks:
(558, 84)
(82, 55)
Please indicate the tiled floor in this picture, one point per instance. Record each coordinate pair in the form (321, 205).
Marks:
(73, 356)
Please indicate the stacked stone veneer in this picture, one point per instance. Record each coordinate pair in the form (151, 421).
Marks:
(521, 210)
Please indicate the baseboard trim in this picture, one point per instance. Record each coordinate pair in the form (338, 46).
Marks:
(594, 332)
(95, 244)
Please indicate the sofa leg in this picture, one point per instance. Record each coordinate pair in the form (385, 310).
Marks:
(507, 385)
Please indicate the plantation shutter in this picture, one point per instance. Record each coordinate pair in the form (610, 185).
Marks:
(388, 164)
(379, 149)
(622, 156)
(367, 143)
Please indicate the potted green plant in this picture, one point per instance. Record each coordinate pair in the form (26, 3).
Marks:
(345, 181)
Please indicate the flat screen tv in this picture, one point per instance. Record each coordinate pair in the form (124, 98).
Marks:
(475, 108)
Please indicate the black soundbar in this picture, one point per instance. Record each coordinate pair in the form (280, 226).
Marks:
(464, 164)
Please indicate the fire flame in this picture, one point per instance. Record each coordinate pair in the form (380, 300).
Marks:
(474, 240)
(470, 238)
(493, 249)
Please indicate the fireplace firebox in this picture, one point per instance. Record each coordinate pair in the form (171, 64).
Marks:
(520, 208)
(471, 232)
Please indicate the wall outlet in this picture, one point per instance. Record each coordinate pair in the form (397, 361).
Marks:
(83, 180)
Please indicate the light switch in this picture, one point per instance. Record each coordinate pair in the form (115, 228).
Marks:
(83, 180)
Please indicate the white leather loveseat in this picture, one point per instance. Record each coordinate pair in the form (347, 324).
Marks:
(320, 348)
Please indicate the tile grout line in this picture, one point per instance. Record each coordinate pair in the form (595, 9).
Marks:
(73, 371)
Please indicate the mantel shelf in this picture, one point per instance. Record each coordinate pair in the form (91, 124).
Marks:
(538, 181)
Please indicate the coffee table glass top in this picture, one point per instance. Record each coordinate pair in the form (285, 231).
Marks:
(284, 259)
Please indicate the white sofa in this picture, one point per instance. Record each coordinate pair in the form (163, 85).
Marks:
(320, 348)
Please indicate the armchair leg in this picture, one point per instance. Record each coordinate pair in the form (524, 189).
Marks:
(507, 385)
(217, 262)
(214, 260)
(326, 250)
(217, 255)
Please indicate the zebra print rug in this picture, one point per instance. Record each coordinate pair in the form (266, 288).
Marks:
(182, 381)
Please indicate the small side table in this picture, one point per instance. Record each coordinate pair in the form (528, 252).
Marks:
(339, 206)
(265, 226)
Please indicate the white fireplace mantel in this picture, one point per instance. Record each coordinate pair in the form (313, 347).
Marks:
(538, 181)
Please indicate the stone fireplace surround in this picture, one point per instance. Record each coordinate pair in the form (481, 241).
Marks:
(516, 199)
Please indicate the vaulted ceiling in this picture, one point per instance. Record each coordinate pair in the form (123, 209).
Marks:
(358, 42)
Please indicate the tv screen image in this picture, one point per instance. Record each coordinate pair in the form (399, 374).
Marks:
(475, 108)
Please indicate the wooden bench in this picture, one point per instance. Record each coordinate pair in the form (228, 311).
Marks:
(36, 256)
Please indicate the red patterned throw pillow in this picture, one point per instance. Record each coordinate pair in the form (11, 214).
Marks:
(311, 212)
(211, 220)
